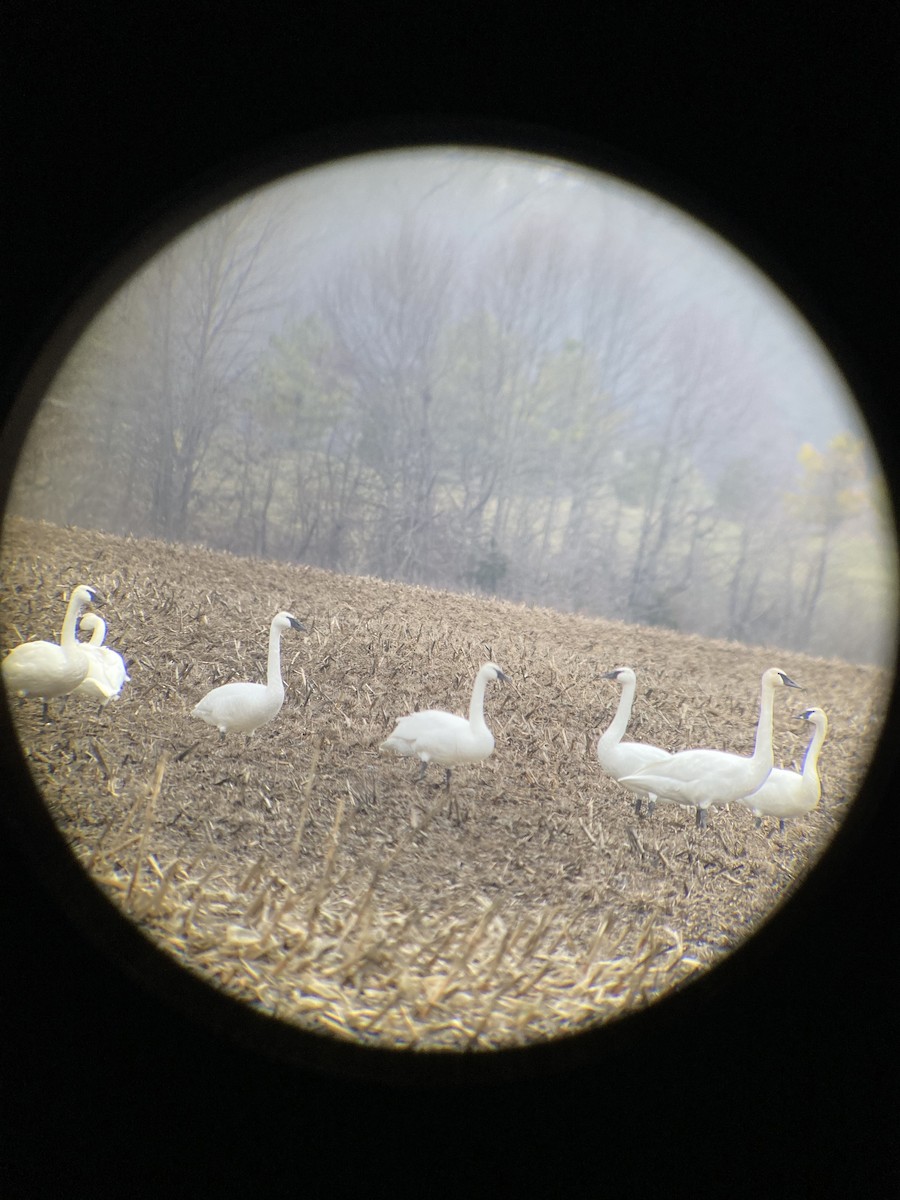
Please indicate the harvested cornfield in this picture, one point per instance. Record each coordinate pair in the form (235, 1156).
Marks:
(307, 874)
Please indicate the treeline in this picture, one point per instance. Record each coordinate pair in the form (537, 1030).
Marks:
(537, 424)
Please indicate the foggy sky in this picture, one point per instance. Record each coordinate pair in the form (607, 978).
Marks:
(473, 197)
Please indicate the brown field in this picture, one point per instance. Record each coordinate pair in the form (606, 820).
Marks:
(312, 877)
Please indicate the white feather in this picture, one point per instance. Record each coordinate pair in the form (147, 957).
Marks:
(243, 707)
(618, 758)
(46, 669)
(106, 669)
(702, 778)
(445, 738)
(787, 793)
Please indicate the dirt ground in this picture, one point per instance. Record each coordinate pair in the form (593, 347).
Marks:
(311, 876)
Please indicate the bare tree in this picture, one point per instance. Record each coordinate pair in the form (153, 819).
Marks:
(154, 379)
(387, 313)
(831, 490)
(698, 419)
(205, 299)
(527, 415)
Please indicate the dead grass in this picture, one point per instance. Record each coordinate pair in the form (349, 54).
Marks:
(306, 874)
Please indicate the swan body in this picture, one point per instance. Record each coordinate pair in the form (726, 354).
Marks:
(243, 707)
(48, 669)
(701, 778)
(445, 738)
(106, 669)
(618, 758)
(787, 793)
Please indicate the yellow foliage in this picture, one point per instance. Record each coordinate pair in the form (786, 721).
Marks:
(810, 458)
(832, 486)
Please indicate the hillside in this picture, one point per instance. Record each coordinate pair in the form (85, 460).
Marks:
(313, 877)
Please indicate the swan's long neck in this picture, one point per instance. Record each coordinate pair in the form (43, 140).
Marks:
(70, 620)
(619, 723)
(273, 673)
(811, 758)
(762, 749)
(476, 704)
(99, 632)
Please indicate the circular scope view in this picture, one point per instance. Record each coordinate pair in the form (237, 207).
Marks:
(449, 599)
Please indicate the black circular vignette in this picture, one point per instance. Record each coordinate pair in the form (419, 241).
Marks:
(775, 128)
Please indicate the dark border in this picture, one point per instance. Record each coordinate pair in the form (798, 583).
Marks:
(774, 129)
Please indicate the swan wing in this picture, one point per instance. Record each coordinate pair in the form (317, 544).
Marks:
(440, 737)
(113, 665)
(692, 776)
(43, 669)
(450, 745)
(411, 728)
(407, 731)
(96, 683)
(628, 757)
(240, 707)
(784, 794)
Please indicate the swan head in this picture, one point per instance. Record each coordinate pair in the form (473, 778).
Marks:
(621, 675)
(774, 678)
(284, 620)
(84, 595)
(492, 671)
(814, 715)
(91, 622)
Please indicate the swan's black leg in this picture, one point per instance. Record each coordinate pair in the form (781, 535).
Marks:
(452, 802)
(702, 818)
(423, 767)
(757, 823)
(781, 826)
(637, 805)
(651, 804)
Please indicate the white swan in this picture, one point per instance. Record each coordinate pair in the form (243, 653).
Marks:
(618, 758)
(46, 669)
(705, 777)
(787, 793)
(445, 738)
(243, 707)
(106, 668)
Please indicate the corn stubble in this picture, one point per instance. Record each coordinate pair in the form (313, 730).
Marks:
(310, 877)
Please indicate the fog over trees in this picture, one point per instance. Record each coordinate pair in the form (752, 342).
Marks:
(480, 372)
